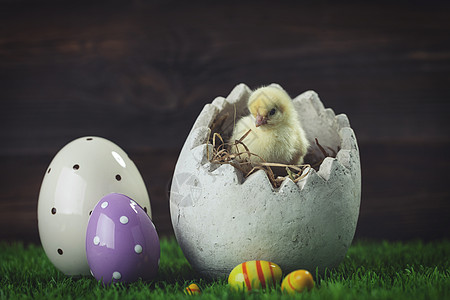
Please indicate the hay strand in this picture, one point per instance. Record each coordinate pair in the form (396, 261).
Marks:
(325, 154)
(221, 155)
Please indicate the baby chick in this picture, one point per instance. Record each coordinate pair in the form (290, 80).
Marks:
(276, 133)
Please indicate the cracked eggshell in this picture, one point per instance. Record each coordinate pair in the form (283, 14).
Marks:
(122, 244)
(221, 220)
(81, 173)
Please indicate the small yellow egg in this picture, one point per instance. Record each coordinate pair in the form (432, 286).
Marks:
(192, 289)
(297, 282)
(253, 275)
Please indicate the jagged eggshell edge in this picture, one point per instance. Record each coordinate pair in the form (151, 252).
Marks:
(221, 220)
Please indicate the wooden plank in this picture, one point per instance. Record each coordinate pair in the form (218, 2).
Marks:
(139, 72)
(404, 191)
(402, 198)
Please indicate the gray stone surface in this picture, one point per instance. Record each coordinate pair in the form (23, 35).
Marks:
(221, 219)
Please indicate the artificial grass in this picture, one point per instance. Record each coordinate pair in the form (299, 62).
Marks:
(371, 270)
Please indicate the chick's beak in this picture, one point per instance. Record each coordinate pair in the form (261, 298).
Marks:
(260, 120)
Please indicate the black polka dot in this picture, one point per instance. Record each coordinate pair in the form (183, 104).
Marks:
(49, 169)
(60, 252)
(76, 167)
(145, 209)
(53, 211)
(89, 139)
(118, 177)
(90, 213)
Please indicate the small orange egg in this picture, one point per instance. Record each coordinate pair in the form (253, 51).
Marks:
(297, 282)
(192, 289)
(254, 274)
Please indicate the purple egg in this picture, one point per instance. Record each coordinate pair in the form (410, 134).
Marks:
(121, 241)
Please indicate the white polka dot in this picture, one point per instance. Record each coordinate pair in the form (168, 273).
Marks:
(158, 262)
(138, 249)
(123, 220)
(104, 204)
(96, 240)
(92, 273)
(117, 275)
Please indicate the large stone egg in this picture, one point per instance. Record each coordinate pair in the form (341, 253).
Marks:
(222, 219)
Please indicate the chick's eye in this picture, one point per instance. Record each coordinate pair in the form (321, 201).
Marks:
(272, 112)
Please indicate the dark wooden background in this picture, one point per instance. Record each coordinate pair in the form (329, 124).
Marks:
(139, 72)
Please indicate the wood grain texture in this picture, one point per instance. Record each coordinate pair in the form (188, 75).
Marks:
(139, 73)
(401, 198)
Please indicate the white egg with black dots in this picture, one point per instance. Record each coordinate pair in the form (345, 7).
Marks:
(82, 173)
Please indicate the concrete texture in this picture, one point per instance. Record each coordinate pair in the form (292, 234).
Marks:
(222, 219)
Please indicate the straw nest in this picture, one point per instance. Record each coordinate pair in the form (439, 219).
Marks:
(276, 172)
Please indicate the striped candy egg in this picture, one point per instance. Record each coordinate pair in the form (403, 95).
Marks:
(254, 274)
(193, 289)
(297, 282)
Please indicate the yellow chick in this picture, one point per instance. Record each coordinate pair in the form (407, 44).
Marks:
(276, 133)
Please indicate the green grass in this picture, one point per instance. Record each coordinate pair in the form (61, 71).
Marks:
(371, 270)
